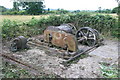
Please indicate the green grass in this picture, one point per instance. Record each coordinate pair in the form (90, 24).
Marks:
(13, 71)
(108, 71)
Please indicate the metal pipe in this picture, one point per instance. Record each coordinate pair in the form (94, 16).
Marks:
(8, 57)
(71, 59)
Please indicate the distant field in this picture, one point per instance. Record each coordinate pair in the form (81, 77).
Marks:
(113, 15)
(20, 18)
(24, 18)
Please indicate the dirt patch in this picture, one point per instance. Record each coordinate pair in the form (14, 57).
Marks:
(88, 67)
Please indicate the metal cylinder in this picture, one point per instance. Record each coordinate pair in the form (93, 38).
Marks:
(18, 43)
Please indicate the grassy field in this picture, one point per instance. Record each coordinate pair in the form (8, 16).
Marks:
(20, 18)
(24, 18)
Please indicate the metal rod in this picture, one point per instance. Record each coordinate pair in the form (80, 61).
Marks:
(81, 39)
(80, 54)
(8, 57)
(45, 47)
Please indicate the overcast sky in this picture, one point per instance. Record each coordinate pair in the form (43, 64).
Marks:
(72, 4)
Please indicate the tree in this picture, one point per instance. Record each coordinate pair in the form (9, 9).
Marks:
(106, 11)
(77, 11)
(33, 8)
(117, 0)
(99, 9)
(48, 9)
(2, 9)
(15, 6)
(115, 10)
(62, 11)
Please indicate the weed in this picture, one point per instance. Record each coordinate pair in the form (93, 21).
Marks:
(109, 71)
(13, 71)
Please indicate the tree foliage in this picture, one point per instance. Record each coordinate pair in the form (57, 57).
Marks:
(115, 10)
(33, 8)
(16, 6)
(2, 9)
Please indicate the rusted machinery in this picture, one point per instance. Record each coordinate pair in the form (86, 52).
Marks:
(65, 36)
(18, 43)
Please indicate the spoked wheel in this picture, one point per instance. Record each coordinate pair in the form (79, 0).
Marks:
(88, 36)
(97, 35)
(73, 28)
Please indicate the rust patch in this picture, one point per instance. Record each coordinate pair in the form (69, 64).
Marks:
(61, 39)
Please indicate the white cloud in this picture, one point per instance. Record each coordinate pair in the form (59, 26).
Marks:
(6, 3)
(80, 4)
(72, 4)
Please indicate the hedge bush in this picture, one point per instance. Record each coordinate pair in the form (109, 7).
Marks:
(105, 24)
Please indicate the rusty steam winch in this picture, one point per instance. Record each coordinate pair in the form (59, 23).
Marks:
(68, 37)
(65, 36)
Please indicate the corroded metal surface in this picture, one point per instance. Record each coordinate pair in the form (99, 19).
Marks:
(66, 36)
(61, 39)
(18, 43)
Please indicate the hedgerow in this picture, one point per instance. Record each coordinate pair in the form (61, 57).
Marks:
(105, 24)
